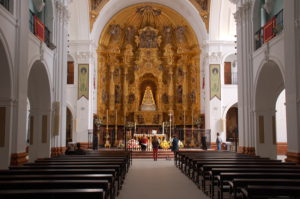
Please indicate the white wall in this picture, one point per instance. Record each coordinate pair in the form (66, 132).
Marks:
(281, 133)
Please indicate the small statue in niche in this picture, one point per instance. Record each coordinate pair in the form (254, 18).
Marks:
(115, 32)
(148, 10)
(130, 116)
(140, 119)
(131, 98)
(148, 39)
(156, 119)
(165, 98)
(193, 97)
(167, 31)
(104, 97)
(166, 77)
(129, 34)
(179, 94)
(180, 30)
(103, 79)
(117, 72)
(180, 72)
(128, 54)
(117, 94)
(168, 54)
(130, 75)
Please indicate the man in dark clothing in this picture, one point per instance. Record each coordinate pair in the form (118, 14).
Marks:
(203, 141)
(79, 151)
(175, 144)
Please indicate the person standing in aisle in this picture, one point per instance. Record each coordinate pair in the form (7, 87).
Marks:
(155, 145)
(218, 142)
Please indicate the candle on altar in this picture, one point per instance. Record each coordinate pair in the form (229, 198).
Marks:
(106, 118)
(116, 134)
(184, 120)
(163, 128)
(116, 118)
(192, 119)
(134, 127)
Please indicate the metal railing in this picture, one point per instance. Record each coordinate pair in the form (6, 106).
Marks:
(5, 4)
(47, 32)
(277, 28)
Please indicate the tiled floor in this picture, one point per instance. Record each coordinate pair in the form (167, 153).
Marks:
(148, 179)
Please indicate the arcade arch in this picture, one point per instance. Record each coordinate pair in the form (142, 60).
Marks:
(270, 83)
(39, 95)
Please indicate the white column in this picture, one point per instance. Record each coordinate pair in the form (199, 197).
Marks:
(292, 73)
(5, 151)
(20, 79)
(245, 75)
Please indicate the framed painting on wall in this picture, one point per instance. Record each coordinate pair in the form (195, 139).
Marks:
(215, 81)
(83, 81)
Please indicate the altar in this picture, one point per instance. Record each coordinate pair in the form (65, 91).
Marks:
(149, 136)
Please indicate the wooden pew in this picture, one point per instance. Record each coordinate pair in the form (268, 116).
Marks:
(52, 193)
(238, 183)
(123, 169)
(214, 172)
(108, 177)
(267, 191)
(63, 172)
(58, 184)
(119, 173)
(198, 169)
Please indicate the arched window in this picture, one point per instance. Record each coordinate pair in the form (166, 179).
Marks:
(267, 20)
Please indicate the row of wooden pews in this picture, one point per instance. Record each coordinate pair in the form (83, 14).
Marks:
(95, 175)
(233, 175)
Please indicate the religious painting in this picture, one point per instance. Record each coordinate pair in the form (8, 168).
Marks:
(44, 128)
(83, 81)
(131, 98)
(179, 94)
(165, 98)
(56, 118)
(215, 81)
(232, 124)
(261, 129)
(274, 130)
(156, 119)
(118, 94)
(2, 126)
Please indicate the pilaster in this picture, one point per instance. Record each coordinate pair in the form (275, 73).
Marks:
(292, 74)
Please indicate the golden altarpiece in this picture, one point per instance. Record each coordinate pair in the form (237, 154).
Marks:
(148, 68)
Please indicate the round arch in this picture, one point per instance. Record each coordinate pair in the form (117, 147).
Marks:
(191, 14)
(39, 95)
(6, 68)
(35, 60)
(6, 105)
(269, 84)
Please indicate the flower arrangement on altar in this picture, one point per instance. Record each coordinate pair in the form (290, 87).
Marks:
(133, 144)
(165, 144)
(121, 144)
(180, 144)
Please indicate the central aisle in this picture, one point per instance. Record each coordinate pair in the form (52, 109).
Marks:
(148, 179)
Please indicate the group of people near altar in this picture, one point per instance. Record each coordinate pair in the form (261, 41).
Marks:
(160, 144)
(157, 143)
